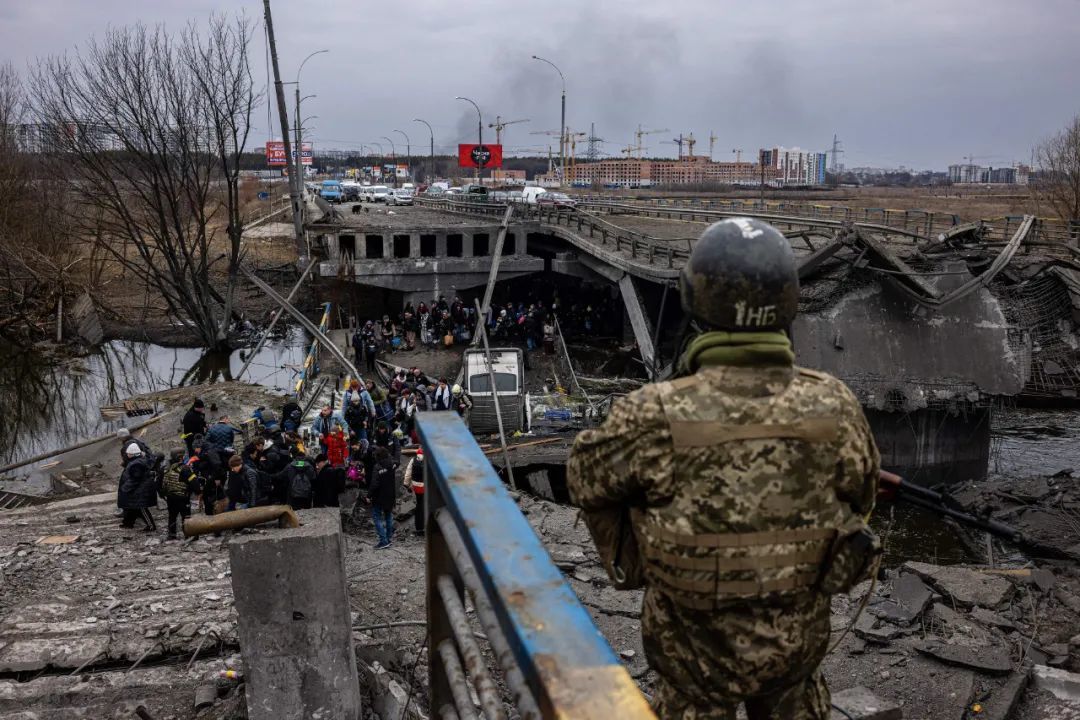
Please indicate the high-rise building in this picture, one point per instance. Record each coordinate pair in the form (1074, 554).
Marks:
(795, 166)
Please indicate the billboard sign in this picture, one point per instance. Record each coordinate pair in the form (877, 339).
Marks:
(275, 154)
(479, 156)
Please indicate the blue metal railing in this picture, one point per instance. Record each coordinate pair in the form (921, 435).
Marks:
(553, 659)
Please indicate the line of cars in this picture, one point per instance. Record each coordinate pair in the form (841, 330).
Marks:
(335, 191)
(529, 195)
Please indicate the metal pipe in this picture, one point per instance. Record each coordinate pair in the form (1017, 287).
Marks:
(474, 660)
(455, 677)
(274, 320)
(236, 519)
(495, 392)
(523, 697)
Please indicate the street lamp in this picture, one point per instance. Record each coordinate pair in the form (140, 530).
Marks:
(393, 156)
(562, 123)
(431, 169)
(299, 136)
(479, 134)
(408, 154)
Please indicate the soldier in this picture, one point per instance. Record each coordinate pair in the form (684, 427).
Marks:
(745, 482)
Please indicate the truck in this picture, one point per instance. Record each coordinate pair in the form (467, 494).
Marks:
(330, 190)
(509, 367)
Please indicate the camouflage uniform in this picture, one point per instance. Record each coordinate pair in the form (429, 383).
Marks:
(717, 460)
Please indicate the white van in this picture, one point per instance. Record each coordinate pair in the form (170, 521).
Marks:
(379, 193)
(508, 365)
(530, 194)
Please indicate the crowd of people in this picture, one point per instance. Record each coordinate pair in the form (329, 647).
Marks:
(448, 323)
(224, 467)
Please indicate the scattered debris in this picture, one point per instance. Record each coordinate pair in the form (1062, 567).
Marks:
(984, 658)
(964, 586)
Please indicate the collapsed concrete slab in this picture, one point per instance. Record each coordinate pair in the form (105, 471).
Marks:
(964, 586)
(294, 621)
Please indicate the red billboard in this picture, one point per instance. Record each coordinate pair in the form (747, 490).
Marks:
(472, 155)
(275, 153)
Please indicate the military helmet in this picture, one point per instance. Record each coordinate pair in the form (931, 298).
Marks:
(741, 276)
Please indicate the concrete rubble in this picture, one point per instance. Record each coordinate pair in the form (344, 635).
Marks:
(82, 594)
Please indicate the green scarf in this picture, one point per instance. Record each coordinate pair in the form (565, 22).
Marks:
(738, 349)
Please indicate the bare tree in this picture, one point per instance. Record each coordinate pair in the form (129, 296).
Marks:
(34, 240)
(1059, 184)
(152, 127)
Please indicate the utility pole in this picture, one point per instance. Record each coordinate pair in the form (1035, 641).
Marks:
(299, 147)
(562, 122)
(479, 135)
(294, 186)
(431, 161)
(593, 153)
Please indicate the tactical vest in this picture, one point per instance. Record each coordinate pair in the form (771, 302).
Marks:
(754, 511)
(173, 485)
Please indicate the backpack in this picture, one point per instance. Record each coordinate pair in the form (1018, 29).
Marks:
(300, 480)
(173, 485)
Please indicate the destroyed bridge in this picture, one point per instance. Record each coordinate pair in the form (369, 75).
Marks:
(931, 322)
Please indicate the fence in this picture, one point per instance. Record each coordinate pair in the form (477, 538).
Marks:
(552, 658)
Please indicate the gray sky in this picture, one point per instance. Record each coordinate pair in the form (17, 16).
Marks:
(920, 83)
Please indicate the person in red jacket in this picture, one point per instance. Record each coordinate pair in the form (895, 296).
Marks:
(414, 480)
(337, 447)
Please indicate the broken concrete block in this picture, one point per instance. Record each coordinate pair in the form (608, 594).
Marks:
(858, 703)
(988, 659)
(1043, 579)
(910, 592)
(992, 619)
(1002, 702)
(1062, 684)
(964, 586)
(292, 602)
(875, 630)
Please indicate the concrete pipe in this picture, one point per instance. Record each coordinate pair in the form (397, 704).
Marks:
(237, 519)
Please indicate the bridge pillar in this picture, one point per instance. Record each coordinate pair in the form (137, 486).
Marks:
(414, 245)
(388, 245)
(467, 245)
(639, 321)
(440, 245)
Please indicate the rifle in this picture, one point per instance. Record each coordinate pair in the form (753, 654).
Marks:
(894, 487)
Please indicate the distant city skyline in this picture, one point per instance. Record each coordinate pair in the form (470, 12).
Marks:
(918, 84)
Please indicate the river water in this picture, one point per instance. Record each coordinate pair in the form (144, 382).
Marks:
(45, 406)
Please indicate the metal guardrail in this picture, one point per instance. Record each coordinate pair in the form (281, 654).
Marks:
(641, 247)
(552, 658)
(311, 359)
(926, 224)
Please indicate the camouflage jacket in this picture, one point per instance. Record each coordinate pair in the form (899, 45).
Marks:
(745, 475)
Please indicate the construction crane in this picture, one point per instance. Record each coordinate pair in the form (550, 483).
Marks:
(738, 155)
(572, 138)
(499, 125)
(675, 141)
(690, 142)
(642, 133)
(628, 150)
(712, 143)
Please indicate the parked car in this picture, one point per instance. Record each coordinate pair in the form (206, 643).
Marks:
(379, 193)
(331, 191)
(401, 196)
(557, 199)
(499, 196)
(454, 192)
